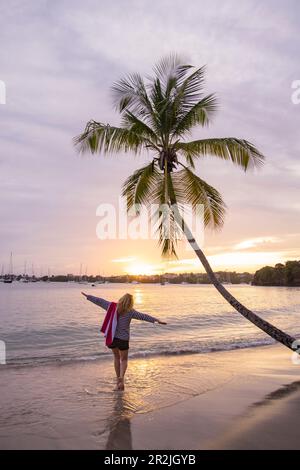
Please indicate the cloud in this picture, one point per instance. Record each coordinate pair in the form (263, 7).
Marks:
(248, 260)
(254, 242)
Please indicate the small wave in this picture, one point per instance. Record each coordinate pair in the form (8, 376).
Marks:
(50, 360)
(205, 349)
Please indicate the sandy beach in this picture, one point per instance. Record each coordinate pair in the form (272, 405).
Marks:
(243, 399)
(257, 409)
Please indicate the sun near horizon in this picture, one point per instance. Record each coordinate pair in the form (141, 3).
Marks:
(246, 256)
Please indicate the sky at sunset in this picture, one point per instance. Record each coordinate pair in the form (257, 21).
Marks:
(58, 61)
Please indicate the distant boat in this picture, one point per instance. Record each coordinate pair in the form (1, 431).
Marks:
(9, 278)
(25, 277)
(81, 280)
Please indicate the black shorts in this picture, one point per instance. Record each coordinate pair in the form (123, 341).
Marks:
(121, 344)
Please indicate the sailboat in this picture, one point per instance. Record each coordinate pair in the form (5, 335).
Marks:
(2, 274)
(81, 280)
(8, 279)
(24, 277)
(33, 278)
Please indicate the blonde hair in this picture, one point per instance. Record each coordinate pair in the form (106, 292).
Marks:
(125, 304)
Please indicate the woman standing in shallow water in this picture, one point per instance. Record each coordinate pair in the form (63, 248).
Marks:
(120, 344)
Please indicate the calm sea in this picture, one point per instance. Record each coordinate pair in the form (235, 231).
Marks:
(51, 322)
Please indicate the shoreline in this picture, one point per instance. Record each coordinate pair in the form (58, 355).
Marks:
(199, 401)
(16, 363)
(95, 284)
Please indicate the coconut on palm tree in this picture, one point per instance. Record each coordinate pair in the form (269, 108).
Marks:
(158, 114)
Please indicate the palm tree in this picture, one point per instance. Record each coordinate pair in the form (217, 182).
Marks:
(158, 114)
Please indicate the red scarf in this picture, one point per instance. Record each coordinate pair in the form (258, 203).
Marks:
(110, 323)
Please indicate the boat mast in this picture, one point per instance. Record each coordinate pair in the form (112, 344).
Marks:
(11, 264)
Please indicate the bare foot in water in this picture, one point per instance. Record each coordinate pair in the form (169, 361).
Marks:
(117, 384)
(121, 384)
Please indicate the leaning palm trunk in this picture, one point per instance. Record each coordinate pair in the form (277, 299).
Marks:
(267, 327)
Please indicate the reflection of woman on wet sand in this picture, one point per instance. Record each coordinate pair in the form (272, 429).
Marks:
(119, 425)
(120, 343)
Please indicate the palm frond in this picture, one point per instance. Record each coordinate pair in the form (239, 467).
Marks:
(139, 187)
(170, 90)
(129, 91)
(136, 125)
(130, 94)
(238, 151)
(161, 107)
(191, 189)
(171, 71)
(145, 187)
(167, 242)
(190, 92)
(167, 228)
(201, 113)
(157, 97)
(104, 138)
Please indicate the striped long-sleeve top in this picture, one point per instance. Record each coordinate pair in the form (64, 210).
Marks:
(123, 325)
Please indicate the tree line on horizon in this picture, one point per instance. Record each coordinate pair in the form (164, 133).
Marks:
(287, 274)
(178, 278)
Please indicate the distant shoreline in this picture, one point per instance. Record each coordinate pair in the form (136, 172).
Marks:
(165, 278)
(281, 275)
(95, 283)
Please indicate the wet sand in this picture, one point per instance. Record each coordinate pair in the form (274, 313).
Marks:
(242, 399)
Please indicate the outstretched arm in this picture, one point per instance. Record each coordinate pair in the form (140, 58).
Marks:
(144, 317)
(97, 300)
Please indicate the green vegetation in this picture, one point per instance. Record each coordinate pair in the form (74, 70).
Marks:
(280, 275)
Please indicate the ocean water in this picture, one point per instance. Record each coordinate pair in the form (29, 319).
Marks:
(52, 323)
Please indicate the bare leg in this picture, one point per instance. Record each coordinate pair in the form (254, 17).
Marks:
(123, 363)
(116, 353)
